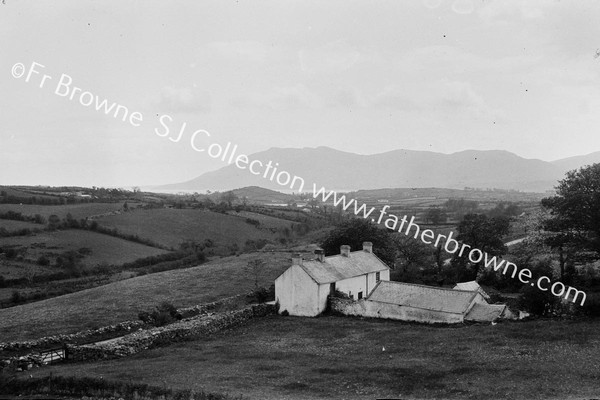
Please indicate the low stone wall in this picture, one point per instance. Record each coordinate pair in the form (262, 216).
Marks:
(214, 306)
(59, 340)
(123, 327)
(186, 329)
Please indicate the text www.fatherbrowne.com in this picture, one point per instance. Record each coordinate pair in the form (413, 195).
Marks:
(451, 246)
(200, 141)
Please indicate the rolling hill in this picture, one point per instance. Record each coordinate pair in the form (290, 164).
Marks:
(345, 171)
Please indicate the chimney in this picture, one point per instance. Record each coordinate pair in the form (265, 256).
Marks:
(320, 255)
(345, 250)
(368, 247)
(297, 259)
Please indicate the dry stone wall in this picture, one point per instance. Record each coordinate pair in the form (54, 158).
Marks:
(59, 340)
(194, 327)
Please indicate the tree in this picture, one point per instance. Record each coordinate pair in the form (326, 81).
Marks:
(53, 222)
(435, 215)
(255, 269)
(483, 233)
(354, 232)
(229, 197)
(414, 261)
(411, 252)
(574, 221)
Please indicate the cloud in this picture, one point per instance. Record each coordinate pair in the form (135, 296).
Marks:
(505, 11)
(245, 50)
(183, 99)
(451, 97)
(281, 98)
(330, 58)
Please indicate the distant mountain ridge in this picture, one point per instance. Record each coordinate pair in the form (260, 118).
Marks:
(343, 171)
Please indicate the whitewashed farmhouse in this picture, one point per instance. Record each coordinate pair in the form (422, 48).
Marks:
(302, 289)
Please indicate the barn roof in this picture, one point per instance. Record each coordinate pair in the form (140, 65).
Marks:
(472, 286)
(423, 297)
(339, 267)
(485, 312)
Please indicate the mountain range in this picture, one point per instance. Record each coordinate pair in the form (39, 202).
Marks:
(344, 171)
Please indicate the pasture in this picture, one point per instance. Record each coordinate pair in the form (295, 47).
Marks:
(123, 300)
(78, 211)
(104, 248)
(171, 227)
(10, 225)
(349, 358)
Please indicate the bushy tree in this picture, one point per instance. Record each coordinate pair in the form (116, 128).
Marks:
(572, 227)
(356, 231)
(483, 233)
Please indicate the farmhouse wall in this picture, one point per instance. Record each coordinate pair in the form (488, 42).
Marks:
(298, 293)
(185, 329)
(374, 309)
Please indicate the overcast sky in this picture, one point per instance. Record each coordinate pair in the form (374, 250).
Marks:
(358, 76)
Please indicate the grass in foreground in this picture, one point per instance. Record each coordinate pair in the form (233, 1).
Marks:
(336, 357)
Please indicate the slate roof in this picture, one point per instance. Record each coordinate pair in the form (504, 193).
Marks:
(338, 267)
(472, 286)
(423, 297)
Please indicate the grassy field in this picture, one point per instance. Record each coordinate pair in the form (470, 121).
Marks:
(343, 358)
(10, 225)
(78, 211)
(104, 248)
(170, 227)
(120, 301)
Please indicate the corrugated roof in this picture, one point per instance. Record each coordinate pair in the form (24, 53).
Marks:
(338, 267)
(424, 297)
(485, 312)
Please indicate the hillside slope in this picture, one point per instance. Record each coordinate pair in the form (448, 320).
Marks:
(340, 170)
(123, 300)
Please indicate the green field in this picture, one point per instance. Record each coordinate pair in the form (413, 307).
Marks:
(170, 227)
(10, 225)
(120, 301)
(343, 358)
(78, 211)
(104, 248)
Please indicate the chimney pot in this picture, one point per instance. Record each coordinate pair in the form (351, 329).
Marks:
(297, 259)
(345, 250)
(320, 255)
(368, 247)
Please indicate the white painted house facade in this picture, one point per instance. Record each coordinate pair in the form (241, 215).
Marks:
(303, 288)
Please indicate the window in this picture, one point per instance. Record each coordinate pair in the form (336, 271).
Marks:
(359, 295)
(377, 277)
(332, 288)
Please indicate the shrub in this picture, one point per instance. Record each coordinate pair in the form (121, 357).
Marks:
(10, 253)
(537, 302)
(43, 261)
(591, 307)
(165, 313)
(17, 297)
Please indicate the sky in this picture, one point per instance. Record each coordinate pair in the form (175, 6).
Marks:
(358, 76)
